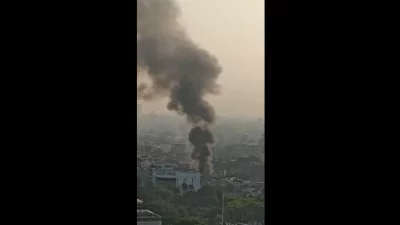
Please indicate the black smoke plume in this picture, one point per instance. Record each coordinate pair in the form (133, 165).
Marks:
(177, 68)
(201, 137)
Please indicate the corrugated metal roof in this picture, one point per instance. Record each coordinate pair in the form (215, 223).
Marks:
(144, 213)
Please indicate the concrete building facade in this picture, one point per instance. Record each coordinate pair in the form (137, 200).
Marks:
(177, 178)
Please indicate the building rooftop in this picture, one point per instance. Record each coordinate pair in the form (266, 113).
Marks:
(144, 213)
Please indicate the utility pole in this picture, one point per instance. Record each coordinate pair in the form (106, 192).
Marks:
(223, 205)
(222, 209)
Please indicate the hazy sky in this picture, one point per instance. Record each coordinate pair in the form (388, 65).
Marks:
(232, 30)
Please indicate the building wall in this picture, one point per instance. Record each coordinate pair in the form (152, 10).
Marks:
(179, 176)
(190, 178)
(160, 174)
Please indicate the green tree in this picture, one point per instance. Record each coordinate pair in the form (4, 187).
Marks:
(182, 210)
(250, 209)
(163, 193)
(208, 196)
(163, 208)
(201, 207)
(228, 188)
(184, 187)
(191, 187)
(213, 215)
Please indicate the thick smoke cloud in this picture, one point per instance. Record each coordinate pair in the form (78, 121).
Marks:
(201, 137)
(177, 68)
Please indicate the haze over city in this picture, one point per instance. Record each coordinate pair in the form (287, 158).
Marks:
(233, 31)
(203, 62)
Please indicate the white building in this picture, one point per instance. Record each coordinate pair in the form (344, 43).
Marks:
(177, 177)
(166, 166)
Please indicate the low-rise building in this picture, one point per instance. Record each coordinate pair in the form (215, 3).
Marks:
(178, 178)
(146, 217)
